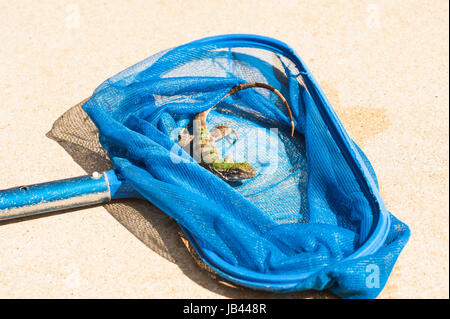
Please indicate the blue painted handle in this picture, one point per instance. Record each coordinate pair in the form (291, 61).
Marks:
(81, 191)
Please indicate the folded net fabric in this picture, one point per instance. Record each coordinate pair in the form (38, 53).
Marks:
(312, 218)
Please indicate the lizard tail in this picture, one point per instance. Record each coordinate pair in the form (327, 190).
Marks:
(249, 85)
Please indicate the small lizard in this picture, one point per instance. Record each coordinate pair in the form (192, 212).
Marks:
(205, 151)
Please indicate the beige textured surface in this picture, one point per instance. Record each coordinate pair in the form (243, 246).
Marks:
(383, 65)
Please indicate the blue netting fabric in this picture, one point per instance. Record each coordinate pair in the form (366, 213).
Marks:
(304, 212)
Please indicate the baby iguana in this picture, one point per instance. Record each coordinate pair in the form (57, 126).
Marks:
(205, 151)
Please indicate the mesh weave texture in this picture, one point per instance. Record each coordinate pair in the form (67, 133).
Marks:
(304, 212)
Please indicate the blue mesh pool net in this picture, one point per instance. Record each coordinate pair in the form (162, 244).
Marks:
(312, 217)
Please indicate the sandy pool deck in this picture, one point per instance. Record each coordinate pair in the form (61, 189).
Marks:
(382, 64)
